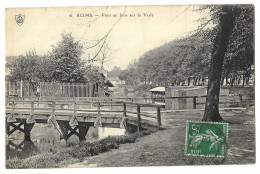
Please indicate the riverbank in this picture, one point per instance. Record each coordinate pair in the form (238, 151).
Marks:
(166, 148)
(72, 152)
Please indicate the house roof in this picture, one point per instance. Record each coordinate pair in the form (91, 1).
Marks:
(108, 83)
(157, 89)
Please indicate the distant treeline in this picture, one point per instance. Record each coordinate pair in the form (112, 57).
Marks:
(186, 58)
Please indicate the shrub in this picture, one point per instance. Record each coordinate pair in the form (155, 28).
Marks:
(73, 150)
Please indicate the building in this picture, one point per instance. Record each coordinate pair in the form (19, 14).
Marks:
(187, 103)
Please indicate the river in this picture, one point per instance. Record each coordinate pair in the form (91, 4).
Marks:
(45, 138)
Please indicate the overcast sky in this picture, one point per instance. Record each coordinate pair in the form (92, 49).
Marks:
(130, 38)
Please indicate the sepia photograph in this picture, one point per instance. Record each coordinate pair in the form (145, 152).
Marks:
(129, 86)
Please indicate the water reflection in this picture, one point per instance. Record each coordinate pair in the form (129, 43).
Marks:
(104, 132)
(20, 149)
(45, 138)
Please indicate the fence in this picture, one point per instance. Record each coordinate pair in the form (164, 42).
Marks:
(44, 89)
(70, 90)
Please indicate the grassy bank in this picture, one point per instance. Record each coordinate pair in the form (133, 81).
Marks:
(72, 152)
(167, 147)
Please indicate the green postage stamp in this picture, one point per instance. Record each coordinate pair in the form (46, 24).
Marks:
(206, 139)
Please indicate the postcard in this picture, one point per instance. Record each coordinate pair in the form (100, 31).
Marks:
(129, 86)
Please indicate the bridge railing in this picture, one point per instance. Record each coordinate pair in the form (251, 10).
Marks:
(231, 100)
(74, 107)
(144, 114)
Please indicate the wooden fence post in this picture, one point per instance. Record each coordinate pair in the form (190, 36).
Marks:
(21, 88)
(9, 88)
(87, 90)
(40, 89)
(29, 94)
(194, 102)
(159, 116)
(138, 118)
(73, 90)
(82, 90)
(62, 89)
(124, 111)
(241, 99)
(78, 90)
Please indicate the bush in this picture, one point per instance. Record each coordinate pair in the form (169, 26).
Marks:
(73, 150)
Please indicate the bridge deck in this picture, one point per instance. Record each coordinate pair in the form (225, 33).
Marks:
(111, 113)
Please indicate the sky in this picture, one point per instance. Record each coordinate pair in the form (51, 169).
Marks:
(141, 29)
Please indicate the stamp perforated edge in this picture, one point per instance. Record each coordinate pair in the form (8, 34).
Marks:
(211, 156)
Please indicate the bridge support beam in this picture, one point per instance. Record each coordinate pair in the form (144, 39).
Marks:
(63, 127)
(67, 131)
(27, 131)
(83, 130)
(11, 127)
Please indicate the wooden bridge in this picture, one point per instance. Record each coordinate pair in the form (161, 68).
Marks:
(75, 116)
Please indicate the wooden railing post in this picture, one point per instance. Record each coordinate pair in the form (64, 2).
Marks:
(53, 107)
(159, 116)
(138, 118)
(38, 102)
(32, 107)
(98, 108)
(75, 109)
(12, 108)
(194, 102)
(124, 109)
(240, 98)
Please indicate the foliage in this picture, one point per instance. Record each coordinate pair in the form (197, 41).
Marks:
(179, 59)
(115, 72)
(65, 58)
(26, 67)
(73, 151)
(233, 49)
(240, 54)
(130, 75)
(62, 64)
(171, 63)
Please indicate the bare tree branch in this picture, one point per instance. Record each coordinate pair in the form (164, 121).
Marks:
(105, 37)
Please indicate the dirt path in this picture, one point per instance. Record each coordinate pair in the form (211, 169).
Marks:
(166, 147)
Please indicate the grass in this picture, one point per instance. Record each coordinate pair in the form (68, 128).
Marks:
(72, 152)
(166, 148)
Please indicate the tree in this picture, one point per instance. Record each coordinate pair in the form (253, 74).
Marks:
(115, 72)
(65, 58)
(104, 55)
(26, 67)
(174, 62)
(62, 64)
(228, 17)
